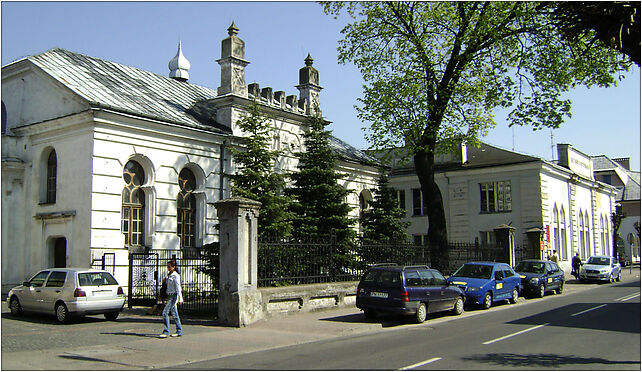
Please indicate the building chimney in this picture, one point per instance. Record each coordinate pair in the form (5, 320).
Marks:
(624, 162)
(179, 65)
(309, 87)
(233, 64)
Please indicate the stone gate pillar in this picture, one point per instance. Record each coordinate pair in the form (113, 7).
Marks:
(239, 301)
(505, 236)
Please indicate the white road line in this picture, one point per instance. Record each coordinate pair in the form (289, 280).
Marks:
(623, 297)
(419, 364)
(514, 334)
(586, 311)
(630, 297)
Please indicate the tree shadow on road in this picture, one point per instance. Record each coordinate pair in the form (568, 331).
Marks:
(544, 360)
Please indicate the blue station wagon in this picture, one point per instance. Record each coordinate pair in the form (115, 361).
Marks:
(407, 290)
(487, 282)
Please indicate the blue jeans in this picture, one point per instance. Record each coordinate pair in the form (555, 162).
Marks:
(171, 307)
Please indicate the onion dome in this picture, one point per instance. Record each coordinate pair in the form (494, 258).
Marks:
(179, 66)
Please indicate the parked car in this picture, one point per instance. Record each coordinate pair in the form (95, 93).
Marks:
(68, 293)
(407, 290)
(601, 268)
(539, 277)
(487, 282)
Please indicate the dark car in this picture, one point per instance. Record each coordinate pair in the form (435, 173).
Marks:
(487, 282)
(407, 290)
(539, 277)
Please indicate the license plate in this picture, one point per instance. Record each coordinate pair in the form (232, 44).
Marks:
(102, 293)
(379, 294)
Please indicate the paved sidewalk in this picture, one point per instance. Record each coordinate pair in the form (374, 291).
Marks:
(215, 341)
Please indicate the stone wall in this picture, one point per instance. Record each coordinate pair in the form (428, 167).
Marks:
(306, 298)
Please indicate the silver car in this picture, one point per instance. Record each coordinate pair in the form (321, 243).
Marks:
(68, 292)
(601, 268)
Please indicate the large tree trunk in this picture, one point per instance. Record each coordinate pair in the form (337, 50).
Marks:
(437, 232)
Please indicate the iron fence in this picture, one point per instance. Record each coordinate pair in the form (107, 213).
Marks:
(199, 286)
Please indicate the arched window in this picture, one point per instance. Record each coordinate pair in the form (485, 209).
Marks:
(4, 118)
(602, 233)
(556, 229)
(186, 209)
(607, 236)
(52, 165)
(581, 234)
(564, 253)
(133, 212)
(587, 232)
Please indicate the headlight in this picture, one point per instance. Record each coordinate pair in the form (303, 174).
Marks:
(534, 280)
(472, 289)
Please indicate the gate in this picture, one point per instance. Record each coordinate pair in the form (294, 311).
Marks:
(106, 262)
(199, 280)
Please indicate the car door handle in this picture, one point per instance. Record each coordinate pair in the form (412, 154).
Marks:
(57, 291)
(427, 293)
(37, 291)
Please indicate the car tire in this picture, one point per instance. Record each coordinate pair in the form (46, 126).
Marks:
(62, 313)
(15, 307)
(619, 277)
(458, 309)
(560, 289)
(369, 314)
(488, 301)
(112, 315)
(611, 278)
(515, 296)
(421, 313)
(541, 291)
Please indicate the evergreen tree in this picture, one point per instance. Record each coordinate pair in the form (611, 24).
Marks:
(319, 206)
(256, 177)
(383, 222)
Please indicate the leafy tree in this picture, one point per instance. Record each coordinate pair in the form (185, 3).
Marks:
(614, 24)
(319, 205)
(436, 71)
(256, 178)
(616, 221)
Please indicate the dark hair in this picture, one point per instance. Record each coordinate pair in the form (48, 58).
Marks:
(172, 262)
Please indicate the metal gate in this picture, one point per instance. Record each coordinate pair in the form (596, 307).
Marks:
(144, 279)
(106, 262)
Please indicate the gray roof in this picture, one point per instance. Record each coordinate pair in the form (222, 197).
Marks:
(131, 90)
(630, 191)
(128, 89)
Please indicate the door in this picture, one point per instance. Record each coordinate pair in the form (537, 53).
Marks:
(549, 280)
(448, 294)
(499, 291)
(31, 297)
(52, 290)
(60, 252)
(418, 287)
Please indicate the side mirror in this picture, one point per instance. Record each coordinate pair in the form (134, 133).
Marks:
(26, 284)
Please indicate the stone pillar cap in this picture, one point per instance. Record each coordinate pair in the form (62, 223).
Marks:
(241, 201)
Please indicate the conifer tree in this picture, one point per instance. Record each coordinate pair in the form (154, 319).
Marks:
(256, 177)
(383, 221)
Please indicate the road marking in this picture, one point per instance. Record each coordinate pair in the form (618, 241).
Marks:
(627, 297)
(419, 364)
(514, 334)
(586, 311)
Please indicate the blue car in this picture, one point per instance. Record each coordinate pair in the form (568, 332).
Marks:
(487, 282)
(539, 277)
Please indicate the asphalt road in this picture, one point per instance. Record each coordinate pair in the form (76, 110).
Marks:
(598, 328)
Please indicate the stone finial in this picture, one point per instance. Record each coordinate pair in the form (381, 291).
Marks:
(179, 65)
(309, 87)
(232, 30)
(309, 60)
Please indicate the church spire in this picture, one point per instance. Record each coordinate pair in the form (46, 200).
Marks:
(179, 65)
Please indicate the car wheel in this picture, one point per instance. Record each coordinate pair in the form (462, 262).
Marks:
(542, 291)
(619, 277)
(420, 315)
(369, 314)
(611, 279)
(514, 297)
(111, 315)
(14, 305)
(488, 301)
(459, 306)
(62, 314)
(560, 289)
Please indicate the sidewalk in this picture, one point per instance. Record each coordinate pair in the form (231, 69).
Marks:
(215, 341)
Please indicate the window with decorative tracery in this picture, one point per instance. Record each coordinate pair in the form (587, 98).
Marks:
(186, 209)
(133, 211)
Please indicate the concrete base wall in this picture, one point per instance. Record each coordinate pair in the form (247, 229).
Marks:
(305, 298)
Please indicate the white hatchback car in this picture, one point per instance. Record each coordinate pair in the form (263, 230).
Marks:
(67, 292)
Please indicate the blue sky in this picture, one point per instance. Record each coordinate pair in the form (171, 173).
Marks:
(278, 36)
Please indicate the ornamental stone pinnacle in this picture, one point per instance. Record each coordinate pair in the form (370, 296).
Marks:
(309, 87)
(233, 64)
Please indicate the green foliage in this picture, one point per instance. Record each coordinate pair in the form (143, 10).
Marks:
(256, 178)
(383, 223)
(320, 207)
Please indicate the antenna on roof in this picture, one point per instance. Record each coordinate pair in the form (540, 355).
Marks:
(552, 147)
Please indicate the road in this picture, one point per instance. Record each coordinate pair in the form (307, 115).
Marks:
(598, 328)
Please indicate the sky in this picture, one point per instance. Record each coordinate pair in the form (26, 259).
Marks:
(278, 36)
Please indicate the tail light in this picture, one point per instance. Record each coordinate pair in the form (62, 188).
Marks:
(404, 296)
(358, 291)
(120, 291)
(79, 293)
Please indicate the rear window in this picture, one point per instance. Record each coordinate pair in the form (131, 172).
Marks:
(96, 279)
(382, 279)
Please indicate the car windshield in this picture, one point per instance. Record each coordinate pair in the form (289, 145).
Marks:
(530, 267)
(96, 279)
(474, 271)
(598, 261)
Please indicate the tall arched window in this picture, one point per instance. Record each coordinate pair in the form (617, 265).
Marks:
(52, 169)
(133, 212)
(186, 209)
(581, 234)
(587, 232)
(564, 253)
(556, 230)
(602, 233)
